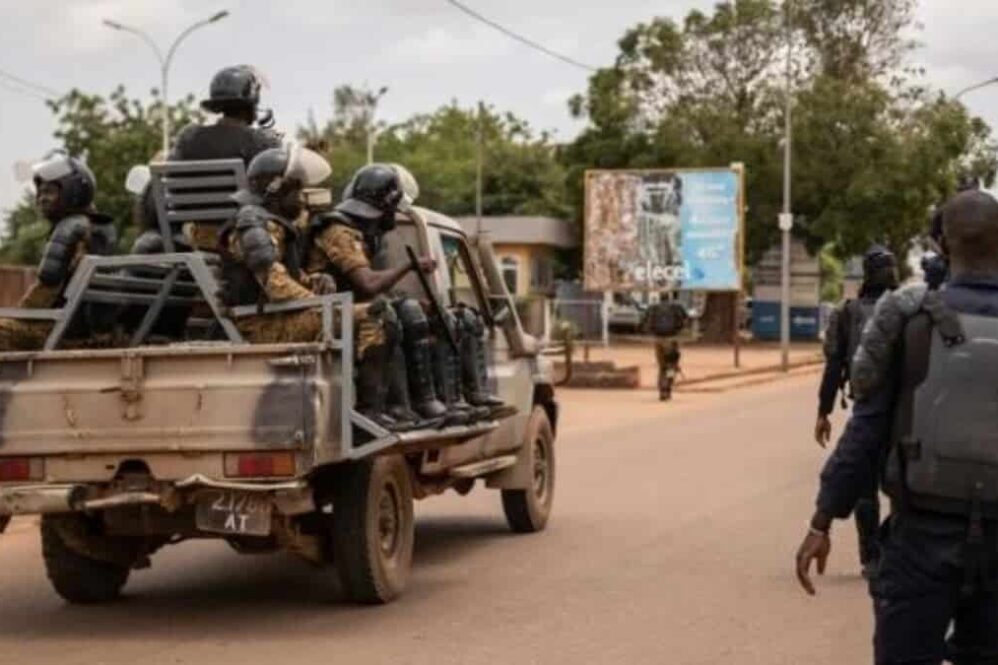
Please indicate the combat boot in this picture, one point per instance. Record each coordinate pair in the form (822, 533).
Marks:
(421, 388)
(475, 366)
(399, 404)
(448, 382)
(372, 389)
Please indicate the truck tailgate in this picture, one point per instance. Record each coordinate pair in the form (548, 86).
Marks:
(165, 399)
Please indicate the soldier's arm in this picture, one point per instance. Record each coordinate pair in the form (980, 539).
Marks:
(345, 251)
(835, 351)
(260, 245)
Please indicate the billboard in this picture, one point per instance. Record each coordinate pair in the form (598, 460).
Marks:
(664, 230)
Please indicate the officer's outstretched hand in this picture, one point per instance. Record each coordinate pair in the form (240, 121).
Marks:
(816, 547)
(823, 431)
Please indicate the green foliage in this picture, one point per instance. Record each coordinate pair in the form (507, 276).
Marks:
(832, 275)
(112, 134)
(872, 151)
(521, 172)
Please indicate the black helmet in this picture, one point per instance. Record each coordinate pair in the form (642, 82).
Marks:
(967, 181)
(233, 88)
(374, 192)
(272, 171)
(76, 181)
(879, 269)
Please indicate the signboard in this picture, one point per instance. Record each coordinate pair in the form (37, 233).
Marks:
(664, 230)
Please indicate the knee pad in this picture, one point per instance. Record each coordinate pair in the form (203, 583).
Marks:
(415, 325)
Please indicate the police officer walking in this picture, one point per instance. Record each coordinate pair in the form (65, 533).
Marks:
(842, 338)
(666, 321)
(924, 422)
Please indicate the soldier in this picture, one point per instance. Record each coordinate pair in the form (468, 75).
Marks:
(667, 320)
(64, 195)
(235, 95)
(923, 423)
(343, 244)
(841, 340)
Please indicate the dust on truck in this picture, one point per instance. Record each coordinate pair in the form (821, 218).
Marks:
(124, 451)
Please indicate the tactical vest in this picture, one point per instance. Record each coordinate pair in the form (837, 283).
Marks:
(667, 319)
(944, 453)
(241, 286)
(857, 313)
(223, 141)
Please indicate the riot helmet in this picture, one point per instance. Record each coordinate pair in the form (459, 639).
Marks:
(880, 271)
(376, 192)
(277, 176)
(234, 89)
(967, 181)
(75, 182)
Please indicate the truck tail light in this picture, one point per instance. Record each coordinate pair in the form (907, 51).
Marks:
(16, 469)
(260, 465)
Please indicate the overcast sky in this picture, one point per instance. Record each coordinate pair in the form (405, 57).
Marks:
(425, 51)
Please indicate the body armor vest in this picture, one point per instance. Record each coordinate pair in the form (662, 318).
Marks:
(241, 285)
(944, 453)
(223, 141)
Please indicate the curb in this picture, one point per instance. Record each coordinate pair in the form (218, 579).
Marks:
(756, 380)
(755, 371)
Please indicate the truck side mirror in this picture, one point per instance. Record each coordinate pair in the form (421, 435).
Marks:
(500, 309)
(138, 179)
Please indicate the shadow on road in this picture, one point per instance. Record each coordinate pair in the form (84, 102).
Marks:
(206, 591)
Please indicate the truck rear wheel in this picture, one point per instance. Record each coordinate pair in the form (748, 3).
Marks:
(78, 578)
(527, 511)
(374, 529)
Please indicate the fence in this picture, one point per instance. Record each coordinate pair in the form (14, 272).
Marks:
(589, 319)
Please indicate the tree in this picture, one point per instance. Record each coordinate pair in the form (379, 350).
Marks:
(873, 150)
(521, 172)
(111, 134)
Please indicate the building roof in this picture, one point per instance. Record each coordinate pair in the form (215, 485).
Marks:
(523, 230)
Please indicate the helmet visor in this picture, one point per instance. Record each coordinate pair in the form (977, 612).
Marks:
(52, 169)
(308, 167)
(410, 188)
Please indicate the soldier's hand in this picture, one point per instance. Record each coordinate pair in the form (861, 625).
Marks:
(823, 431)
(323, 284)
(815, 548)
(426, 264)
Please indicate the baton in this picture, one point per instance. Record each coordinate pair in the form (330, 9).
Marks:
(435, 305)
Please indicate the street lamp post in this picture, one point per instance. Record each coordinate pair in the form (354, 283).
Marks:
(164, 62)
(976, 86)
(786, 219)
(372, 107)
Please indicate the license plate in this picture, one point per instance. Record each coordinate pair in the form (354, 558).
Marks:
(234, 513)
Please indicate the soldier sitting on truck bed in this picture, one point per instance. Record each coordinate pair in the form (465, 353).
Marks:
(235, 94)
(64, 195)
(344, 244)
(261, 261)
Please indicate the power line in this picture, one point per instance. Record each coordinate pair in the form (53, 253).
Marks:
(520, 38)
(12, 87)
(48, 92)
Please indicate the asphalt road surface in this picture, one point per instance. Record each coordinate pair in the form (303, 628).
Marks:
(671, 542)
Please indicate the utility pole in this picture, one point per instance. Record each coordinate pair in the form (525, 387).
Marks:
(479, 164)
(164, 63)
(786, 220)
(372, 131)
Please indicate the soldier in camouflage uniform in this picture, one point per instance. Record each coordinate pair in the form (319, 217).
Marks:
(342, 244)
(65, 189)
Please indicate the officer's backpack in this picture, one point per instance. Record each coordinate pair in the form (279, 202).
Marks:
(944, 453)
(667, 319)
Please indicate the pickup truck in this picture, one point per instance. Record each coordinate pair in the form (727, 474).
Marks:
(123, 451)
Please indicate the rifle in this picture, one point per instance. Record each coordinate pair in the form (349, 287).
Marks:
(435, 304)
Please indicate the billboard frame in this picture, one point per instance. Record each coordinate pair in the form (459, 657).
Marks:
(737, 168)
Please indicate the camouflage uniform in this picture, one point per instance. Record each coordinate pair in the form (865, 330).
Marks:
(339, 250)
(276, 284)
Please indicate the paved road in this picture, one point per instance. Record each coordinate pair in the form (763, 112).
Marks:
(671, 542)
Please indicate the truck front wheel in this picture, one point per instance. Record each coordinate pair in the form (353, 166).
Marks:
(78, 578)
(374, 529)
(527, 510)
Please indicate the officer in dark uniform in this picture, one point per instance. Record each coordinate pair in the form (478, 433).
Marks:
(343, 244)
(923, 377)
(64, 195)
(234, 95)
(842, 338)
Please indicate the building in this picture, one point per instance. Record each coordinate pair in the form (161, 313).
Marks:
(527, 249)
